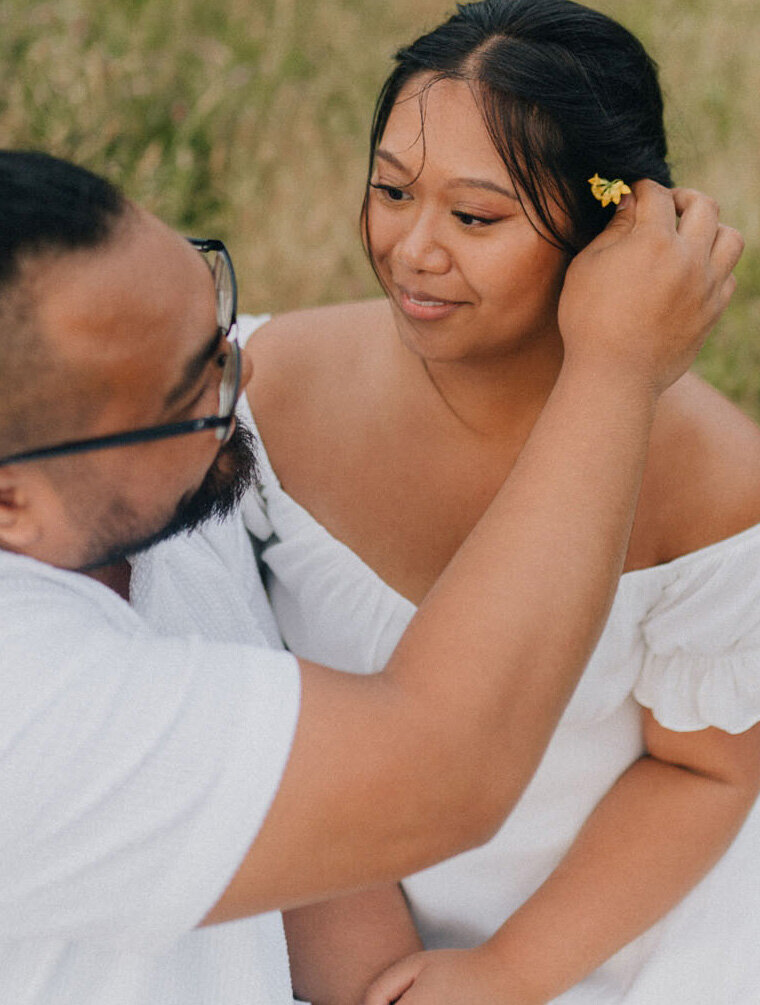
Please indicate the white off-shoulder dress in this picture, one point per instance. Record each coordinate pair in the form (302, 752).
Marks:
(683, 639)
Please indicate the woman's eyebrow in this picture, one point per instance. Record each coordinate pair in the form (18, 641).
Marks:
(193, 369)
(385, 155)
(489, 186)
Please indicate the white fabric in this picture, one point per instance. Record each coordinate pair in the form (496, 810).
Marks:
(137, 763)
(682, 638)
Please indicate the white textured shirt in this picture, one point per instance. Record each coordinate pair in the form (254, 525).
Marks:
(140, 749)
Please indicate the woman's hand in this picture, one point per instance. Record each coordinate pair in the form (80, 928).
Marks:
(643, 295)
(450, 976)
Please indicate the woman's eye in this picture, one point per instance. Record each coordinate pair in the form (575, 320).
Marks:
(390, 192)
(469, 219)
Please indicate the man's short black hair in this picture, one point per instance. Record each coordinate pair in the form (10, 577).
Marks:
(47, 205)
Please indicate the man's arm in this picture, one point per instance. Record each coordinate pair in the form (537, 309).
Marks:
(392, 772)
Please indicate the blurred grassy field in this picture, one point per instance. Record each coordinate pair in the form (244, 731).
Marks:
(248, 120)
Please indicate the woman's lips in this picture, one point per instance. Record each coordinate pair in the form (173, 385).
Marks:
(423, 306)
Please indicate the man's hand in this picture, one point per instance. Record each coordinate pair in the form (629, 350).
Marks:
(645, 293)
(453, 976)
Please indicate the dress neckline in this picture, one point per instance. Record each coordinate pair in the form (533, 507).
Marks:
(665, 569)
(717, 549)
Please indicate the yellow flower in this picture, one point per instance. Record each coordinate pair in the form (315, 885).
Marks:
(608, 191)
(597, 186)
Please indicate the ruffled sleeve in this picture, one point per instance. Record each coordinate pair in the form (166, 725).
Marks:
(702, 640)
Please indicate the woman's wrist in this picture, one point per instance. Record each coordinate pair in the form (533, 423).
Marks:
(622, 379)
(502, 956)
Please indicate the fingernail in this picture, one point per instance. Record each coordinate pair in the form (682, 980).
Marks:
(625, 200)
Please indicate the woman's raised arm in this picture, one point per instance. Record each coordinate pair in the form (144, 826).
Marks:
(392, 772)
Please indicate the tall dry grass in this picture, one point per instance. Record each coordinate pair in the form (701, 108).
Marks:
(247, 119)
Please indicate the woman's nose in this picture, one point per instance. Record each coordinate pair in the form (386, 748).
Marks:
(420, 248)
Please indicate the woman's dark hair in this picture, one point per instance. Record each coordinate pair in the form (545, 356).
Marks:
(565, 91)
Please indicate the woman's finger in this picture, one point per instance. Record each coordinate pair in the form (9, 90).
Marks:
(699, 216)
(726, 292)
(726, 250)
(654, 205)
(389, 986)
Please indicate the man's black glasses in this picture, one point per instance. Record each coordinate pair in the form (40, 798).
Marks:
(225, 285)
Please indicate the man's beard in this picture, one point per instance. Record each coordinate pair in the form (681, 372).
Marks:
(220, 492)
(234, 470)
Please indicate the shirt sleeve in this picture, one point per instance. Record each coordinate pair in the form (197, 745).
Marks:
(135, 772)
(702, 641)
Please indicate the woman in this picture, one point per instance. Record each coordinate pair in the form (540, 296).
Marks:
(388, 427)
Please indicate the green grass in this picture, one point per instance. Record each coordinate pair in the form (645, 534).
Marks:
(248, 120)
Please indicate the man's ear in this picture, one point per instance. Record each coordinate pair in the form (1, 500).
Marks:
(19, 525)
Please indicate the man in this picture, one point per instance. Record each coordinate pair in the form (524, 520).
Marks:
(151, 779)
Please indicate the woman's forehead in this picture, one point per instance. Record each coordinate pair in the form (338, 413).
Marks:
(439, 122)
(437, 125)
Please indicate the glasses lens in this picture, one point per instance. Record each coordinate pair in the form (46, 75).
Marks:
(225, 289)
(228, 390)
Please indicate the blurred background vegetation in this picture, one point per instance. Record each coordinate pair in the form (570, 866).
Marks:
(248, 120)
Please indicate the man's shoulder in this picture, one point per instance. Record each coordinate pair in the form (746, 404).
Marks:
(37, 598)
(62, 636)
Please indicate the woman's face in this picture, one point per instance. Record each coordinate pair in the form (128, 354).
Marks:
(467, 273)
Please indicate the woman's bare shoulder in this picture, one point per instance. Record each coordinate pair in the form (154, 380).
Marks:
(703, 479)
(310, 371)
(301, 352)
(321, 323)
(311, 339)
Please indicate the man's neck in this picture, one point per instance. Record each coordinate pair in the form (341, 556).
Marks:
(116, 576)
